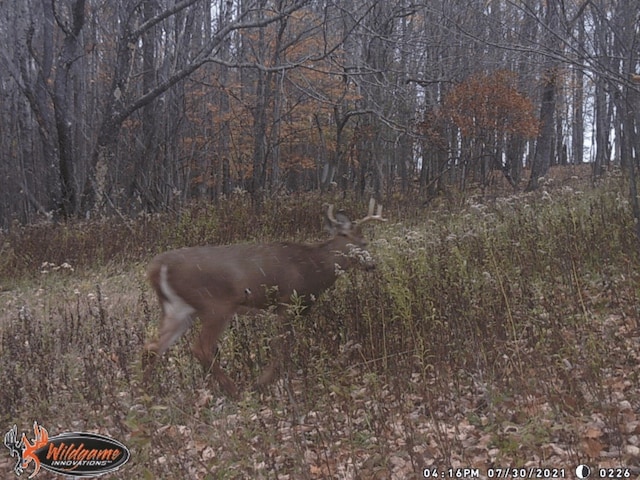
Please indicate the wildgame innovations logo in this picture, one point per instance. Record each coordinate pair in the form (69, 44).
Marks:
(75, 454)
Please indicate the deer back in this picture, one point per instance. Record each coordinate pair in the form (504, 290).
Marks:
(250, 275)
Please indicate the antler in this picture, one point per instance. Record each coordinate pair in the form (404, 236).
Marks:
(370, 215)
(330, 216)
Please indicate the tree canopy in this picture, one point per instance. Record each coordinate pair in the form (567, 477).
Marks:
(140, 105)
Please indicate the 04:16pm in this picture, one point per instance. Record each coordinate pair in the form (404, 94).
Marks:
(450, 473)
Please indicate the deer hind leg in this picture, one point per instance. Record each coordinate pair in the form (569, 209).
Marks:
(205, 349)
(175, 320)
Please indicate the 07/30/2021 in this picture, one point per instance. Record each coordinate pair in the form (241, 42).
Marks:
(514, 473)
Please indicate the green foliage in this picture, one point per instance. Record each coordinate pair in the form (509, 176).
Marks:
(494, 275)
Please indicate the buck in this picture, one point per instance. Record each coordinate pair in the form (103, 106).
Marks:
(215, 283)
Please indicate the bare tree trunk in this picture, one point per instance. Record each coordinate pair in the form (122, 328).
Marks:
(544, 144)
(259, 175)
(602, 129)
(67, 148)
(149, 122)
(577, 136)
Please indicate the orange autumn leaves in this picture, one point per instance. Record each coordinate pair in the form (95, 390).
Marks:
(490, 104)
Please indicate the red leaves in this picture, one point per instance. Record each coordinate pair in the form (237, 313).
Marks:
(490, 104)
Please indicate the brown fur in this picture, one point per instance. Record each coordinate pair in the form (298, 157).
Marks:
(216, 282)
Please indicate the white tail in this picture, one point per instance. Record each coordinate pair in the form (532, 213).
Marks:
(214, 283)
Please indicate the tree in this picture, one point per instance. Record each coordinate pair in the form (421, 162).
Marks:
(133, 26)
(148, 104)
(490, 113)
(550, 78)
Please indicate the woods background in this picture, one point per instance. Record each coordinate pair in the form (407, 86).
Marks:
(145, 105)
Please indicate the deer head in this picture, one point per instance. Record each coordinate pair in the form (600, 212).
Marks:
(216, 282)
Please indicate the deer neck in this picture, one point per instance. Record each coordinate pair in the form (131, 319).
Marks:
(337, 250)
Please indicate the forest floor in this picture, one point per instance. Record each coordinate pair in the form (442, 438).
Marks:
(497, 333)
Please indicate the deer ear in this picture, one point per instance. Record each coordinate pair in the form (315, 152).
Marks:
(343, 220)
(344, 225)
(339, 224)
(330, 227)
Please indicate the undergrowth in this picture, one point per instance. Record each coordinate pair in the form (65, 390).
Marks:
(491, 335)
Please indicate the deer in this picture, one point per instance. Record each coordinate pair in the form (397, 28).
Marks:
(214, 283)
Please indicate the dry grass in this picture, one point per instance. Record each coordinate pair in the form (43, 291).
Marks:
(503, 333)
